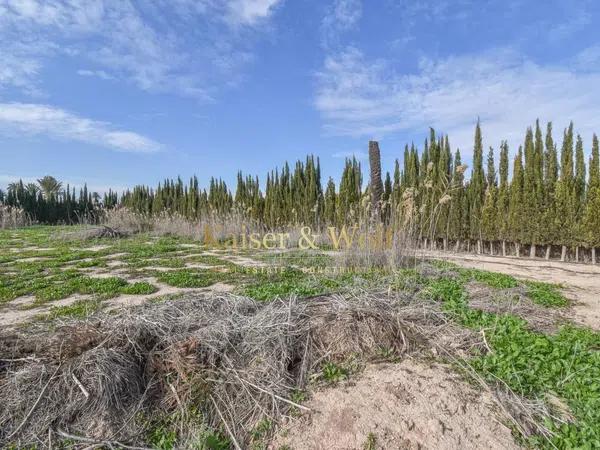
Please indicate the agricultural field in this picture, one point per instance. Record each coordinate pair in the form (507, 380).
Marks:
(146, 341)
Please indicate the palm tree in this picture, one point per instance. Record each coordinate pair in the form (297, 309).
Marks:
(32, 189)
(50, 186)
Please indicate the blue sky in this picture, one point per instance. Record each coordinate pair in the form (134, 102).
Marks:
(119, 92)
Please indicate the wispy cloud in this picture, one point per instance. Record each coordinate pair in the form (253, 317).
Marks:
(95, 73)
(357, 96)
(139, 42)
(341, 17)
(343, 155)
(249, 12)
(36, 119)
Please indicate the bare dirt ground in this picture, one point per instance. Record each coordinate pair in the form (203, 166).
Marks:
(581, 281)
(411, 405)
(11, 315)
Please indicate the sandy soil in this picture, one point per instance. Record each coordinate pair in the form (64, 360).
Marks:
(411, 405)
(96, 248)
(12, 314)
(581, 281)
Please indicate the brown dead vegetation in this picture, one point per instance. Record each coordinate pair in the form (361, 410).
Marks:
(235, 360)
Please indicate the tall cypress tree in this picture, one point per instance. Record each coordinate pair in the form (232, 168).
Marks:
(330, 202)
(591, 219)
(489, 213)
(515, 210)
(456, 228)
(565, 194)
(503, 198)
(476, 189)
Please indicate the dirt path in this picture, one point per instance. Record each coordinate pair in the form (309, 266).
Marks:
(411, 405)
(581, 281)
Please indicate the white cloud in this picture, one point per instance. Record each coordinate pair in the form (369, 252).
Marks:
(360, 97)
(342, 16)
(249, 12)
(56, 123)
(186, 47)
(95, 73)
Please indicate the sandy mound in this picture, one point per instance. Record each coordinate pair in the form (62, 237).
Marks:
(411, 405)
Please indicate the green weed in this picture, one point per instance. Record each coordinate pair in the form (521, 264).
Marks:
(332, 373)
(545, 294)
(533, 364)
(192, 278)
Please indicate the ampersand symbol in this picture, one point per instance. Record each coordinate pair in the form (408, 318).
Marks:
(307, 240)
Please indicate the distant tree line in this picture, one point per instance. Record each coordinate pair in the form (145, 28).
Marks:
(48, 202)
(550, 201)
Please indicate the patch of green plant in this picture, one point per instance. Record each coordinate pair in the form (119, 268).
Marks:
(332, 372)
(139, 288)
(297, 258)
(213, 440)
(192, 278)
(533, 364)
(545, 294)
(209, 260)
(162, 437)
(96, 262)
(298, 396)
(137, 263)
(408, 280)
(492, 279)
(370, 442)
(260, 434)
(79, 309)
(279, 284)
(163, 432)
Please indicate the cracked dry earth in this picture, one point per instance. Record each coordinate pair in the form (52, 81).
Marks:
(410, 405)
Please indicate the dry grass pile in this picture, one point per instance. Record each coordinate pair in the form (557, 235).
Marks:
(99, 232)
(234, 361)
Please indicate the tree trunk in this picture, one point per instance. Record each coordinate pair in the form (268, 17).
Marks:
(425, 244)
(492, 248)
(468, 245)
(457, 246)
(518, 249)
(503, 248)
(532, 251)
(563, 253)
(445, 244)
(479, 246)
(376, 184)
(577, 254)
(548, 249)
(593, 255)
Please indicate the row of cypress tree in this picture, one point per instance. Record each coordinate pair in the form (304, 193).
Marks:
(549, 198)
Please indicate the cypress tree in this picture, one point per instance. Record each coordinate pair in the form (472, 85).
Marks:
(489, 211)
(456, 228)
(330, 202)
(565, 194)
(591, 219)
(515, 208)
(476, 189)
(503, 198)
